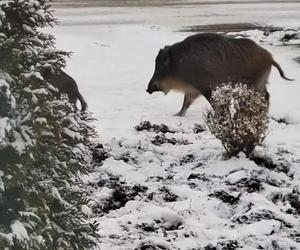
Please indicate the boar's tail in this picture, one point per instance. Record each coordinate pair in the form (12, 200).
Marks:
(281, 71)
(82, 102)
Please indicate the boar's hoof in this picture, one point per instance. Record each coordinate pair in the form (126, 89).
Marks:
(180, 113)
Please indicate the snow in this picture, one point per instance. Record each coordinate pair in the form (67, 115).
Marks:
(4, 127)
(41, 120)
(189, 196)
(152, 214)
(86, 210)
(19, 231)
(35, 91)
(204, 220)
(71, 134)
(31, 74)
(2, 187)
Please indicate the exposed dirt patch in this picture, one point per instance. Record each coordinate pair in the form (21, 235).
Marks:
(201, 177)
(294, 200)
(279, 165)
(168, 195)
(120, 195)
(225, 197)
(148, 126)
(198, 129)
(151, 246)
(162, 139)
(250, 185)
(223, 245)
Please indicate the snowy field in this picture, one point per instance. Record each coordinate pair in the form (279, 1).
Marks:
(115, 48)
(181, 195)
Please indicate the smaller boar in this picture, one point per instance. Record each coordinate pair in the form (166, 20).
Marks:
(66, 84)
(202, 62)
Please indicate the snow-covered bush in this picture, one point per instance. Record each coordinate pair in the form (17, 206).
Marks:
(238, 118)
(44, 143)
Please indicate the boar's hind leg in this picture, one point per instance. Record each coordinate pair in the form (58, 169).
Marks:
(267, 97)
(189, 98)
(263, 85)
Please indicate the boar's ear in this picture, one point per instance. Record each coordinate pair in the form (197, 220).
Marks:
(165, 55)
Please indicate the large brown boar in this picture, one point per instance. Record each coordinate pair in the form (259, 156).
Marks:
(201, 62)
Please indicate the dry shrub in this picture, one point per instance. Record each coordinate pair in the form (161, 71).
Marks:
(239, 118)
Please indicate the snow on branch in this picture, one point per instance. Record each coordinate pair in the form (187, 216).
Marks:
(239, 118)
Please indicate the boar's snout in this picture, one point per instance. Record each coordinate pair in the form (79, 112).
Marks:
(152, 87)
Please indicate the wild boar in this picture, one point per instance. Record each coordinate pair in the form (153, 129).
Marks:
(66, 84)
(201, 62)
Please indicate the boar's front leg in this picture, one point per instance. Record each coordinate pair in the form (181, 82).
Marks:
(189, 98)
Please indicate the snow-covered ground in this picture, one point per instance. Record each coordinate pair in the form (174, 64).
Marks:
(115, 48)
(182, 194)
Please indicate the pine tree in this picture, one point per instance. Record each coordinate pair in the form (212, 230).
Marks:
(44, 143)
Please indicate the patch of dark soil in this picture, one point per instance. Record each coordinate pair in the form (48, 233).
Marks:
(158, 224)
(274, 245)
(187, 159)
(147, 227)
(295, 236)
(147, 126)
(100, 153)
(121, 194)
(117, 200)
(165, 193)
(198, 129)
(156, 178)
(201, 177)
(285, 168)
(127, 158)
(229, 27)
(150, 196)
(270, 29)
(289, 36)
(151, 246)
(257, 216)
(223, 245)
(169, 226)
(276, 197)
(106, 180)
(138, 189)
(168, 195)
(281, 165)
(225, 197)
(294, 200)
(250, 185)
(162, 139)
